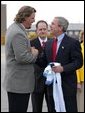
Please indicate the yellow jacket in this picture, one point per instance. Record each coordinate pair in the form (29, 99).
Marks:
(80, 72)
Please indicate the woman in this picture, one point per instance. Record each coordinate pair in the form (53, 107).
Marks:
(80, 79)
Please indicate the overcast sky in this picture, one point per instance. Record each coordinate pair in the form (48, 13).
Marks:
(47, 10)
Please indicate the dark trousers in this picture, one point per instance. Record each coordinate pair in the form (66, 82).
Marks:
(37, 100)
(51, 106)
(71, 103)
(18, 102)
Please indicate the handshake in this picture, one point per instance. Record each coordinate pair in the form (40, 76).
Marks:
(34, 51)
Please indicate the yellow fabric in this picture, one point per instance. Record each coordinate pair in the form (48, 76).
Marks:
(80, 72)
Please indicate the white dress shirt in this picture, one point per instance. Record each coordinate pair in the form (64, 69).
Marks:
(42, 40)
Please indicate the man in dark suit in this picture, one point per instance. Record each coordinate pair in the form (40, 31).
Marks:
(40, 88)
(68, 54)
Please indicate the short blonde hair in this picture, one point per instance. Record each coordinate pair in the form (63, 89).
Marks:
(81, 35)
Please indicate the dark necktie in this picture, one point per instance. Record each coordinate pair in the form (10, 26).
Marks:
(43, 44)
(54, 50)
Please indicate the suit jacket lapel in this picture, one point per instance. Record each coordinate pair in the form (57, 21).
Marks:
(49, 50)
(38, 42)
(22, 29)
(61, 47)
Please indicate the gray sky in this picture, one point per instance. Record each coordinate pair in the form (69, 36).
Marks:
(47, 10)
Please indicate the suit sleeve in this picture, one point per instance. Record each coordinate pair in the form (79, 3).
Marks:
(41, 59)
(76, 59)
(21, 50)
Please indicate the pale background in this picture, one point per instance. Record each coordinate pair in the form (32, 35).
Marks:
(47, 10)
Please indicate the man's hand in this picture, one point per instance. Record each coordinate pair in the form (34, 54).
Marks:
(57, 69)
(79, 86)
(34, 51)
